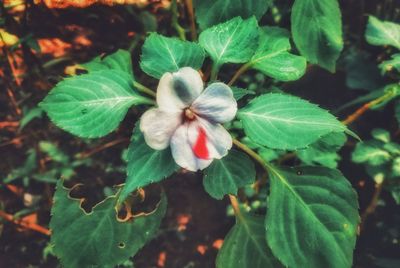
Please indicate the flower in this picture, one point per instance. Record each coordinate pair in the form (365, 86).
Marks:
(189, 119)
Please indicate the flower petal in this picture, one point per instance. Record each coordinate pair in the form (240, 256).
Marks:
(216, 103)
(182, 151)
(158, 127)
(217, 141)
(178, 90)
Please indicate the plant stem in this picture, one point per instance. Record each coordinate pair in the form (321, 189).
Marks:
(235, 206)
(25, 223)
(239, 72)
(251, 153)
(144, 89)
(193, 32)
(360, 111)
(372, 205)
(214, 72)
(175, 23)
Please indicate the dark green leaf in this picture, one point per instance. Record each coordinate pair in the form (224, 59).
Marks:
(324, 151)
(312, 218)
(317, 31)
(146, 165)
(227, 175)
(162, 54)
(98, 238)
(245, 245)
(239, 93)
(362, 72)
(211, 12)
(33, 113)
(119, 60)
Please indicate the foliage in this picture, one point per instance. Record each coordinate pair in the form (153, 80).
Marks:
(273, 120)
(317, 31)
(98, 238)
(292, 206)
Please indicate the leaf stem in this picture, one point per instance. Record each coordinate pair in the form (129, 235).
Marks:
(193, 32)
(251, 153)
(372, 205)
(214, 72)
(235, 206)
(175, 23)
(360, 111)
(238, 73)
(144, 89)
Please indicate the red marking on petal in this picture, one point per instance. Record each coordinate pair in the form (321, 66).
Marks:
(200, 148)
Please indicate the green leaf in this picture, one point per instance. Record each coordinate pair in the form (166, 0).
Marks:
(389, 65)
(53, 152)
(312, 218)
(324, 151)
(162, 54)
(92, 105)
(98, 238)
(29, 115)
(26, 170)
(146, 165)
(361, 71)
(381, 135)
(234, 41)
(397, 112)
(227, 175)
(211, 12)
(272, 57)
(317, 31)
(245, 245)
(396, 168)
(381, 33)
(370, 152)
(239, 93)
(119, 60)
(286, 122)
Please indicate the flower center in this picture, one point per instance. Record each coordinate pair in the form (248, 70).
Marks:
(189, 114)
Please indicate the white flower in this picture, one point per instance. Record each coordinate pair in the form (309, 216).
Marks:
(189, 119)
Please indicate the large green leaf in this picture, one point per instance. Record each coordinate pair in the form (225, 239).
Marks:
(92, 105)
(146, 165)
(324, 150)
(162, 54)
(227, 175)
(381, 33)
(272, 57)
(245, 245)
(286, 122)
(317, 31)
(119, 60)
(233, 41)
(312, 218)
(98, 238)
(211, 12)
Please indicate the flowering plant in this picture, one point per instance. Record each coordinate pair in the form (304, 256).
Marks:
(312, 214)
